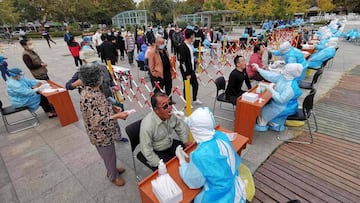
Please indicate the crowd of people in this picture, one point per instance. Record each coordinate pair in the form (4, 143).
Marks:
(160, 127)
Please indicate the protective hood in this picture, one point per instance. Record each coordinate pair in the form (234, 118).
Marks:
(285, 47)
(14, 71)
(292, 70)
(201, 123)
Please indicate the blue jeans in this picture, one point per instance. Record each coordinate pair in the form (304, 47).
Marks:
(4, 72)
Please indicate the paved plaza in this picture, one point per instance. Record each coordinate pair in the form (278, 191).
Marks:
(50, 163)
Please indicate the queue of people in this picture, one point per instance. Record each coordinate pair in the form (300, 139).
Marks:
(163, 135)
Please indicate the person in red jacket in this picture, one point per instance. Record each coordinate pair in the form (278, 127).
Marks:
(74, 48)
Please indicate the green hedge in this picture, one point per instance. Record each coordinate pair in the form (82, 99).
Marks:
(52, 34)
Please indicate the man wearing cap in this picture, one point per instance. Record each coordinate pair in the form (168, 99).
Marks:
(284, 98)
(23, 93)
(292, 55)
(32, 60)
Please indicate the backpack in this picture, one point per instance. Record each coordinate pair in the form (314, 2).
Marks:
(177, 37)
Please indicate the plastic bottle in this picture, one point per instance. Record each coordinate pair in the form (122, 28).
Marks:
(162, 168)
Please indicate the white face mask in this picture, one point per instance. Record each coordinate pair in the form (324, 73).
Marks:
(30, 47)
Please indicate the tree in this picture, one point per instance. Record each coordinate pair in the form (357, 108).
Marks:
(212, 5)
(250, 9)
(326, 5)
(298, 6)
(160, 8)
(8, 13)
(26, 11)
(265, 9)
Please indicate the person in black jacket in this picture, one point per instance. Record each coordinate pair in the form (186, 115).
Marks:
(187, 64)
(108, 51)
(236, 80)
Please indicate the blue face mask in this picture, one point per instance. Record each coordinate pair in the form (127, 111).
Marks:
(162, 47)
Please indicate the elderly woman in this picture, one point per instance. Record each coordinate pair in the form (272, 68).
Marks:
(100, 123)
(23, 92)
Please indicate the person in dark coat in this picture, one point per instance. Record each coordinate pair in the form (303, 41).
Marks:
(108, 51)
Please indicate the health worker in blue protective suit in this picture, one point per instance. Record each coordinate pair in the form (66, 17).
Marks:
(284, 98)
(23, 93)
(292, 55)
(213, 164)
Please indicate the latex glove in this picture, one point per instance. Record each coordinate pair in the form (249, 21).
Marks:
(181, 155)
(256, 66)
(36, 89)
(179, 114)
(270, 88)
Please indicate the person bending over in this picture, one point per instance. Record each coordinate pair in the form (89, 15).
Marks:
(23, 92)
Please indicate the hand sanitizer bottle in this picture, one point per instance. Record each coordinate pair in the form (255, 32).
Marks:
(162, 168)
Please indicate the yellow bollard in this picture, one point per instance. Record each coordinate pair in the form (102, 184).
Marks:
(188, 103)
(199, 59)
(118, 97)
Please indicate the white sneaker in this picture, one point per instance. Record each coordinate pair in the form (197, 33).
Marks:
(198, 102)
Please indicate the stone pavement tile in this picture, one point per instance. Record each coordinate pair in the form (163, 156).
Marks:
(127, 193)
(69, 190)
(54, 134)
(4, 176)
(69, 143)
(34, 184)
(8, 194)
(80, 158)
(30, 162)
(14, 150)
(93, 178)
(11, 139)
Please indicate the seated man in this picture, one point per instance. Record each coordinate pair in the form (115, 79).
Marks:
(23, 93)
(284, 98)
(157, 130)
(213, 164)
(236, 80)
(256, 57)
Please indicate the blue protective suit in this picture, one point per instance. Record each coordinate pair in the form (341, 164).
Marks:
(141, 55)
(21, 94)
(284, 100)
(294, 55)
(209, 168)
(318, 58)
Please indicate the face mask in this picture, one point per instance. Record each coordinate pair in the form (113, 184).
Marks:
(30, 47)
(162, 47)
